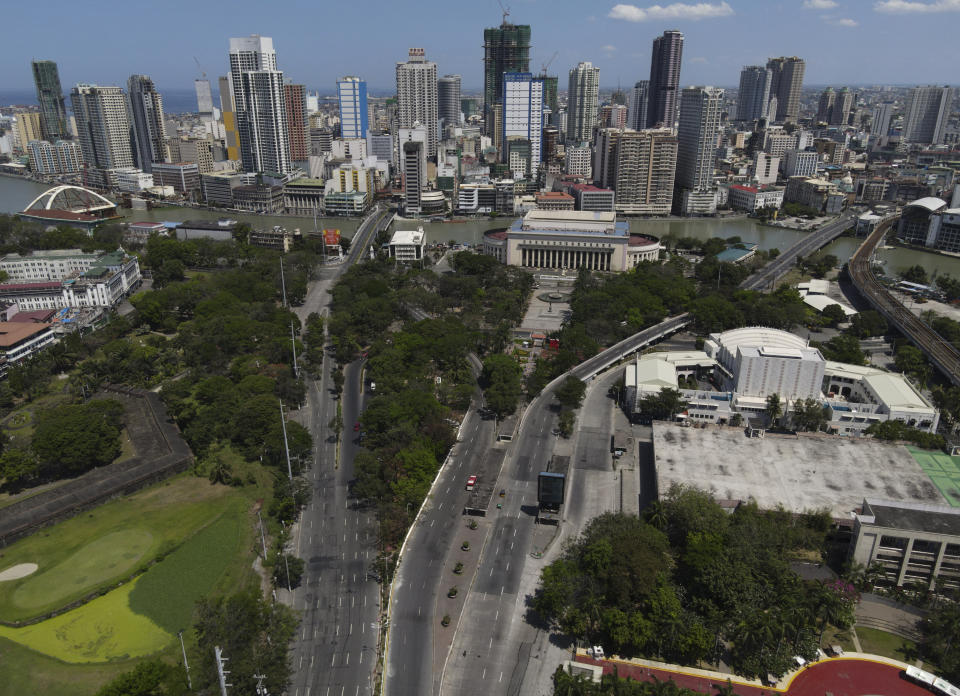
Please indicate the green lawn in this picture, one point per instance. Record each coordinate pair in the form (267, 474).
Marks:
(79, 556)
(886, 644)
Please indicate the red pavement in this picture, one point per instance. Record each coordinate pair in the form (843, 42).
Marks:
(837, 676)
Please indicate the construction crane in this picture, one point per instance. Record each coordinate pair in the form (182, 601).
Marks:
(543, 70)
(200, 67)
(504, 10)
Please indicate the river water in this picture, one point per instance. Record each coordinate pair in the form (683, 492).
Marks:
(16, 193)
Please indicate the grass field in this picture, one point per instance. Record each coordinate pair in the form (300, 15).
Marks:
(168, 513)
(886, 644)
(99, 631)
(943, 470)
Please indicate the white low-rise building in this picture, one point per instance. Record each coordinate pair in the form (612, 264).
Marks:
(752, 199)
(408, 245)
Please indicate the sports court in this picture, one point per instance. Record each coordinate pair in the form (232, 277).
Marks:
(943, 470)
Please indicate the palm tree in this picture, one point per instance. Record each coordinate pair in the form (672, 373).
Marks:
(656, 515)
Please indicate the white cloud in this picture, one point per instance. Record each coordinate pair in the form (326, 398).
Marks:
(845, 22)
(907, 6)
(819, 4)
(608, 48)
(678, 10)
(698, 59)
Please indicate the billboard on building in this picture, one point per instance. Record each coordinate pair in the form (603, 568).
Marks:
(331, 237)
(551, 488)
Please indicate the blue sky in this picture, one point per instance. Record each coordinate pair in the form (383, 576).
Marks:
(843, 41)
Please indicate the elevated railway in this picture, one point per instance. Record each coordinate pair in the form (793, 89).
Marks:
(940, 352)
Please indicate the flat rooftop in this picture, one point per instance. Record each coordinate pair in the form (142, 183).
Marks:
(936, 519)
(802, 473)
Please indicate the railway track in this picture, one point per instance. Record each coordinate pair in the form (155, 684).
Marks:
(941, 353)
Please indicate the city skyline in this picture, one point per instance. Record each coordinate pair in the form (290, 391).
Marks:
(721, 38)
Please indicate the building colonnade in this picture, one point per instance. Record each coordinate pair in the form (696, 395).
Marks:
(566, 258)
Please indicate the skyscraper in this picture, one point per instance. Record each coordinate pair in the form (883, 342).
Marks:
(228, 114)
(204, 98)
(700, 109)
(260, 105)
(352, 95)
(295, 98)
(639, 102)
(550, 93)
(754, 94)
(645, 166)
(412, 145)
(926, 115)
(582, 92)
(417, 95)
(53, 113)
(448, 100)
(506, 49)
(841, 108)
(785, 84)
(880, 125)
(149, 131)
(825, 107)
(665, 79)
(103, 128)
(522, 121)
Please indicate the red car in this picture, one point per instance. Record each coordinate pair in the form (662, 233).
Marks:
(356, 427)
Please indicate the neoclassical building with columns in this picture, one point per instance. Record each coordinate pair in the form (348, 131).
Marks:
(566, 239)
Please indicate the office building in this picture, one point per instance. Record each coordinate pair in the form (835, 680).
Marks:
(880, 123)
(825, 107)
(577, 161)
(645, 163)
(295, 102)
(53, 112)
(204, 99)
(800, 163)
(352, 97)
(665, 79)
(199, 151)
(752, 198)
(184, 177)
(228, 117)
(764, 168)
(639, 101)
(584, 83)
(506, 49)
(448, 100)
(550, 96)
(785, 84)
(408, 245)
(259, 102)
(842, 107)
(926, 115)
(29, 127)
(754, 94)
(700, 110)
(131, 180)
(522, 121)
(149, 131)
(417, 96)
(412, 145)
(103, 129)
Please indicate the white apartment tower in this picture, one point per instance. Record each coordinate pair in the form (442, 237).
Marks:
(700, 109)
(523, 119)
(645, 163)
(260, 105)
(149, 131)
(103, 127)
(639, 102)
(926, 115)
(582, 93)
(754, 94)
(417, 96)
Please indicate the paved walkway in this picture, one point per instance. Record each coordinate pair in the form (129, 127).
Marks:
(854, 674)
(885, 614)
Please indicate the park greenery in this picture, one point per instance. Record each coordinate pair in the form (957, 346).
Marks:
(940, 630)
(690, 583)
(611, 685)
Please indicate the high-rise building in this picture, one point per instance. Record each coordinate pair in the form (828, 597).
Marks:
(53, 112)
(754, 95)
(412, 145)
(260, 105)
(295, 98)
(785, 84)
(880, 125)
(639, 101)
(700, 110)
(149, 132)
(644, 170)
(665, 79)
(550, 95)
(841, 108)
(352, 95)
(103, 129)
(584, 85)
(522, 121)
(506, 49)
(417, 96)
(828, 98)
(228, 114)
(204, 98)
(925, 118)
(448, 100)
(29, 127)
(63, 158)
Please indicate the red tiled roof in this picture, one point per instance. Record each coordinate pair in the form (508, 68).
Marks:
(641, 240)
(54, 214)
(500, 234)
(590, 187)
(34, 316)
(748, 189)
(555, 195)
